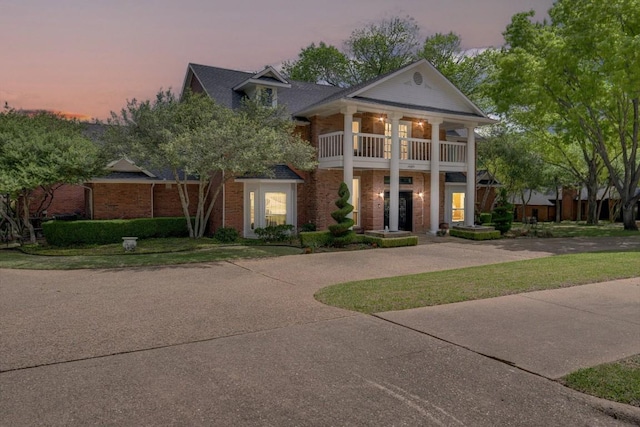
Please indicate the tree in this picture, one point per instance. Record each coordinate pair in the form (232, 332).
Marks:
(195, 137)
(580, 75)
(382, 47)
(375, 49)
(467, 70)
(41, 151)
(341, 232)
(319, 64)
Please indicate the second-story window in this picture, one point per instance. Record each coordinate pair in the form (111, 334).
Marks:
(267, 96)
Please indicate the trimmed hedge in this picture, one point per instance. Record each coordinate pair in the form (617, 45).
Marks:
(317, 239)
(392, 242)
(485, 218)
(100, 232)
(475, 235)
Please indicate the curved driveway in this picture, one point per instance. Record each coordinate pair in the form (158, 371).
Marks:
(245, 343)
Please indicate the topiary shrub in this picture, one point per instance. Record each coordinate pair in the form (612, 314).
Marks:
(226, 235)
(503, 213)
(341, 232)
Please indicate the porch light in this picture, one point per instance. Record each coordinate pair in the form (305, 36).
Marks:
(381, 194)
(421, 194)
(381, 119)
(420, 123)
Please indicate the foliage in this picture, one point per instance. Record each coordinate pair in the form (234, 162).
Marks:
(382, 47)
(198, 139)
(226, 235)
(315, 239)
(39, 152)
(308, 226)
(66, 233)
(485, 218)
(341, 232)
(578, 75)
(391, 242)
(474, 235)
(319, 64)
(503, 213)
(275, 233)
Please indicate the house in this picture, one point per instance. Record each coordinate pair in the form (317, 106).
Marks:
(385, 138)
(391, 140)
(539, 205)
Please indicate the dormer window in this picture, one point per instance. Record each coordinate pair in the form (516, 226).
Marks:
(267, 96)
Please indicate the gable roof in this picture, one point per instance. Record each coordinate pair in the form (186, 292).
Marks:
(219, 84)
(395, 89)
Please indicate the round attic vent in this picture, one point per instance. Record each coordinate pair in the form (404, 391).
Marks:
(417, 78)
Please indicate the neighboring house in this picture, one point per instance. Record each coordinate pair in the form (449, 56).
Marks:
(385, 138)
(539, 205)
(389, 139)
(606, 197)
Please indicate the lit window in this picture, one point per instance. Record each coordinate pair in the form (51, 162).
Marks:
(275, 209)
(356, 201)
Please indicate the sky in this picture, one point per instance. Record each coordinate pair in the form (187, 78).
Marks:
(88, 57)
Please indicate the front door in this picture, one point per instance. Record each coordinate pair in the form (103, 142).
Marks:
(405, 210)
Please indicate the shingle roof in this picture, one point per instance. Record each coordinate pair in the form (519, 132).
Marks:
(282, 172)
(219, 84)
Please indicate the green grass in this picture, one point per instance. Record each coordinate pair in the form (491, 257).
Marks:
(618, 381)
(573, 229)
(151, 252)
(444, 287)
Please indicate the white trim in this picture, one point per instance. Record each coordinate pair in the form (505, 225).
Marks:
(267, 180)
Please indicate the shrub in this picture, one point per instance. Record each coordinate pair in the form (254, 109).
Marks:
(341, 232)
(100, 232)
(503, 213)
(309, 226)
(315, 239)
(275, 233)
(485, 218)
(226, 235)
(392, 242)
(475, 235)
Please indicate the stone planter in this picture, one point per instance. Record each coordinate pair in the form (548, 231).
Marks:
(129, 243)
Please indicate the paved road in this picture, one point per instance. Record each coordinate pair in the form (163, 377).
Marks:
(245, 343)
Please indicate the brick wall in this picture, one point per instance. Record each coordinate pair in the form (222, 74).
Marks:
(67, 199)
(166, 200)
(114, 201)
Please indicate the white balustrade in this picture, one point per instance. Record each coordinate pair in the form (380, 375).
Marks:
(453, 152)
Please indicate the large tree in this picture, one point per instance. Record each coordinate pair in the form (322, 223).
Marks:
(195, 137)
(319, 64)
(38, 152)
(579, 74)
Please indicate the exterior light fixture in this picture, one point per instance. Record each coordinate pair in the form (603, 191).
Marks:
(381, 194)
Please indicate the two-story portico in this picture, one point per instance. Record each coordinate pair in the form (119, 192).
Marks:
(388, 137)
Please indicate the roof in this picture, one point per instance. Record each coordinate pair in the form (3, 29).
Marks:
(218, 83)
(279, 172)
(536, 198)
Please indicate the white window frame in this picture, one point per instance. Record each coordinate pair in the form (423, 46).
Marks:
(403, 134)
(259, 188)
(356, 201)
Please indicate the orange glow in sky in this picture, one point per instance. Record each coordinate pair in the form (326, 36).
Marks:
(89, 57)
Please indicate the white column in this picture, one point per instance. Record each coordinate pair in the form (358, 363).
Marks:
(394, 172)
(470, 196)
(347, 151)
(435, 175)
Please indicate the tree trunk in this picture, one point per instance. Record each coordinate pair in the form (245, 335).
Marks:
(26, 220)
(628, 219)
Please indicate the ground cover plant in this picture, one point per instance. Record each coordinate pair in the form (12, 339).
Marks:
(449, 286)
(618, 381)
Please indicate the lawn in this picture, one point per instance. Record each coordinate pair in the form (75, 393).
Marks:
(444, 287)
(618, 381)
(149, 252)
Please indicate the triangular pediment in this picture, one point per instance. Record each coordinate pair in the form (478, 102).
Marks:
(420, 85)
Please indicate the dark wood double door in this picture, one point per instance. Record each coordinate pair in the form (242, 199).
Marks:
(405, 210)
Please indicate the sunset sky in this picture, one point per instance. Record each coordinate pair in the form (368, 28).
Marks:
(88, 57)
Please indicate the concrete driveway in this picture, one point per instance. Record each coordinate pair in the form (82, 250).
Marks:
(245, 343)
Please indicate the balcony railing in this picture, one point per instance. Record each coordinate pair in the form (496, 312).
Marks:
(367, 146)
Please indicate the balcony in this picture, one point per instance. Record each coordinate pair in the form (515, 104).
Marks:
(373, 151)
